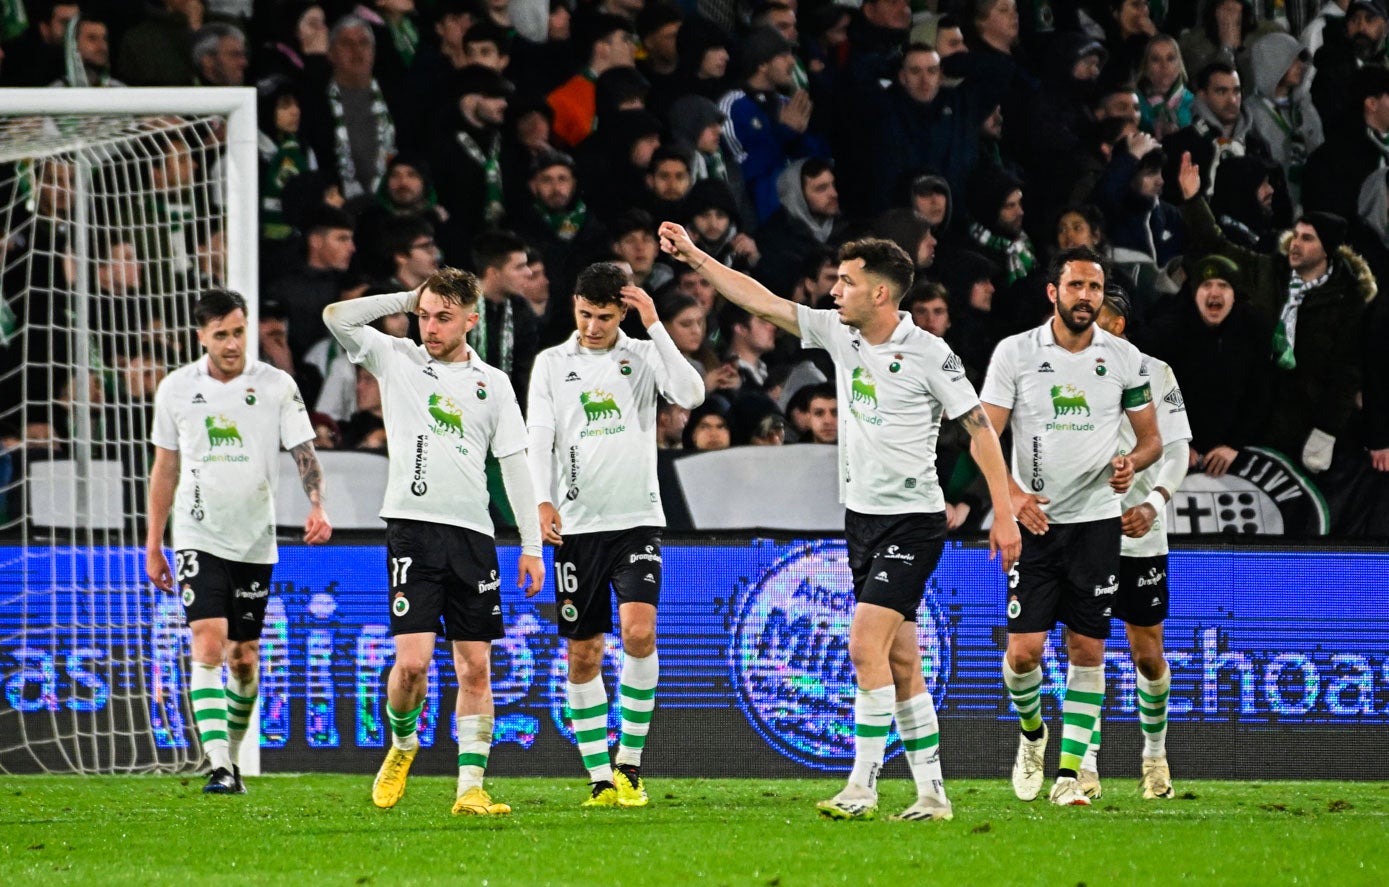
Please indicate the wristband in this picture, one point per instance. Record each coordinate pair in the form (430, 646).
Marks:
(1158, 501)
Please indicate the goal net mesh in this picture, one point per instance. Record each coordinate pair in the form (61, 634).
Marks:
(110, 227)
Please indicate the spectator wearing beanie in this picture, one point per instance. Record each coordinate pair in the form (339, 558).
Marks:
(994, 201)
(1243, 204)
(704, 68)
(1313, 293)
(467, 152)
(557, 221)
(696, 126)
(1210, 335)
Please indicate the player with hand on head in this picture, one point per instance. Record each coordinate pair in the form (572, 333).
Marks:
(592, 449)
(1142, 600)
(1067, 387)
(219, 424)
(895, 384)
(444, 410)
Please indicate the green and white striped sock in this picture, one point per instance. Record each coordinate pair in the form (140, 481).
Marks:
(474, 745)
(588, 713)
(405, 726)
(1026, 692)
(916, 721)
(638, 681)
(1152, 713)
(210, 711)
(241, 702)
(1079, 714)
(1092, 754)
(872, 720)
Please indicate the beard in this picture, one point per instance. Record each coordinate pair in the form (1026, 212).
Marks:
(1363, 47)
(1074, 324)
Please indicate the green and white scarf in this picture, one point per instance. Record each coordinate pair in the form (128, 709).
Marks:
(1285, 334)
(1018, 253)
(491, 162)
(506, 340)
(566, 222)
(405, 37)
(342, 144)
(283, 160)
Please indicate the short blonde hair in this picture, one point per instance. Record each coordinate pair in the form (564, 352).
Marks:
(455, 286)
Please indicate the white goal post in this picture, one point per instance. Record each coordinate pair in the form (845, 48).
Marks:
(118, 206)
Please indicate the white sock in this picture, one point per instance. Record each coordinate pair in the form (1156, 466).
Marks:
(872, 720)
(474, 745)
(638, 700)
(588, 712)
(916, 721)
(209, 700)
(241, 702)
(1152, 713)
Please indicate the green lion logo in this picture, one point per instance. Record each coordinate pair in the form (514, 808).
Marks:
(599, 404)
(221, 432)
(448, 416)
(1065, 401)
(862, 387)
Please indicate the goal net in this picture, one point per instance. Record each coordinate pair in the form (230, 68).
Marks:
(117, 208)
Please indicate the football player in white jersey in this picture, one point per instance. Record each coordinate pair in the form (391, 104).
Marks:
(1142, 599)
(1067, 387)
(592, 449)
(896, 382)
(444, 409)
(219, 424)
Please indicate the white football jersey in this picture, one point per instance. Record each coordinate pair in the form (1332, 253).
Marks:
(1067, 414)
(228, 436)
(1172, 422)
(602, 407)
(441, 418)
(892, 398)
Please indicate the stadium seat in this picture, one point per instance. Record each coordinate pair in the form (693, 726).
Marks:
(746, 488)
(53, 496)
(355, 485)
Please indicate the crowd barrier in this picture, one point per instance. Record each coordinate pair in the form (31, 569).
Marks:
(1280, 662)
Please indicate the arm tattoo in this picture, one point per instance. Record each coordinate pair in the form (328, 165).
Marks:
(310, 474)
(974, 421)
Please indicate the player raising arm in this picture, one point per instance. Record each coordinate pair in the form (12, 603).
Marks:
(444, 410)
(895, 383)
(593, 450)
(219, 424)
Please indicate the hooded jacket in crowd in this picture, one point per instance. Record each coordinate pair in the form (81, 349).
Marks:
(793, 233)
(689, 117)
(1319, 392)
(1204, 139)
(1291, 126)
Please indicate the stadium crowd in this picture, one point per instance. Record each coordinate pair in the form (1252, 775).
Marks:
(1229, 157)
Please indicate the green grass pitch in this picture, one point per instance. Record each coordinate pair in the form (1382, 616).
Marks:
(322, 829)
